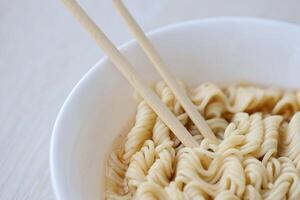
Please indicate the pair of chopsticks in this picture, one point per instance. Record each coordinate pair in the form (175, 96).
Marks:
(128, 72)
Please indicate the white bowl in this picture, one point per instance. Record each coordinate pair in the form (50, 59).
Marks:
(101, 105)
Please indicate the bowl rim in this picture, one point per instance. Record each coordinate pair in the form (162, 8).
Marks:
(54, 135)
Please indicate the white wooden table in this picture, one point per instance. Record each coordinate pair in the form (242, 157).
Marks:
(44, 52)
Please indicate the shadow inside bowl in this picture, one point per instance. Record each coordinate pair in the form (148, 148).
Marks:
(101, 106)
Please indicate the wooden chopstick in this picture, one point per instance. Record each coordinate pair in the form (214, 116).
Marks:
(128, 72)
(167, 76)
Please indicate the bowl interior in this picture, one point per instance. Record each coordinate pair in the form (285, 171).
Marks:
(101, 105)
